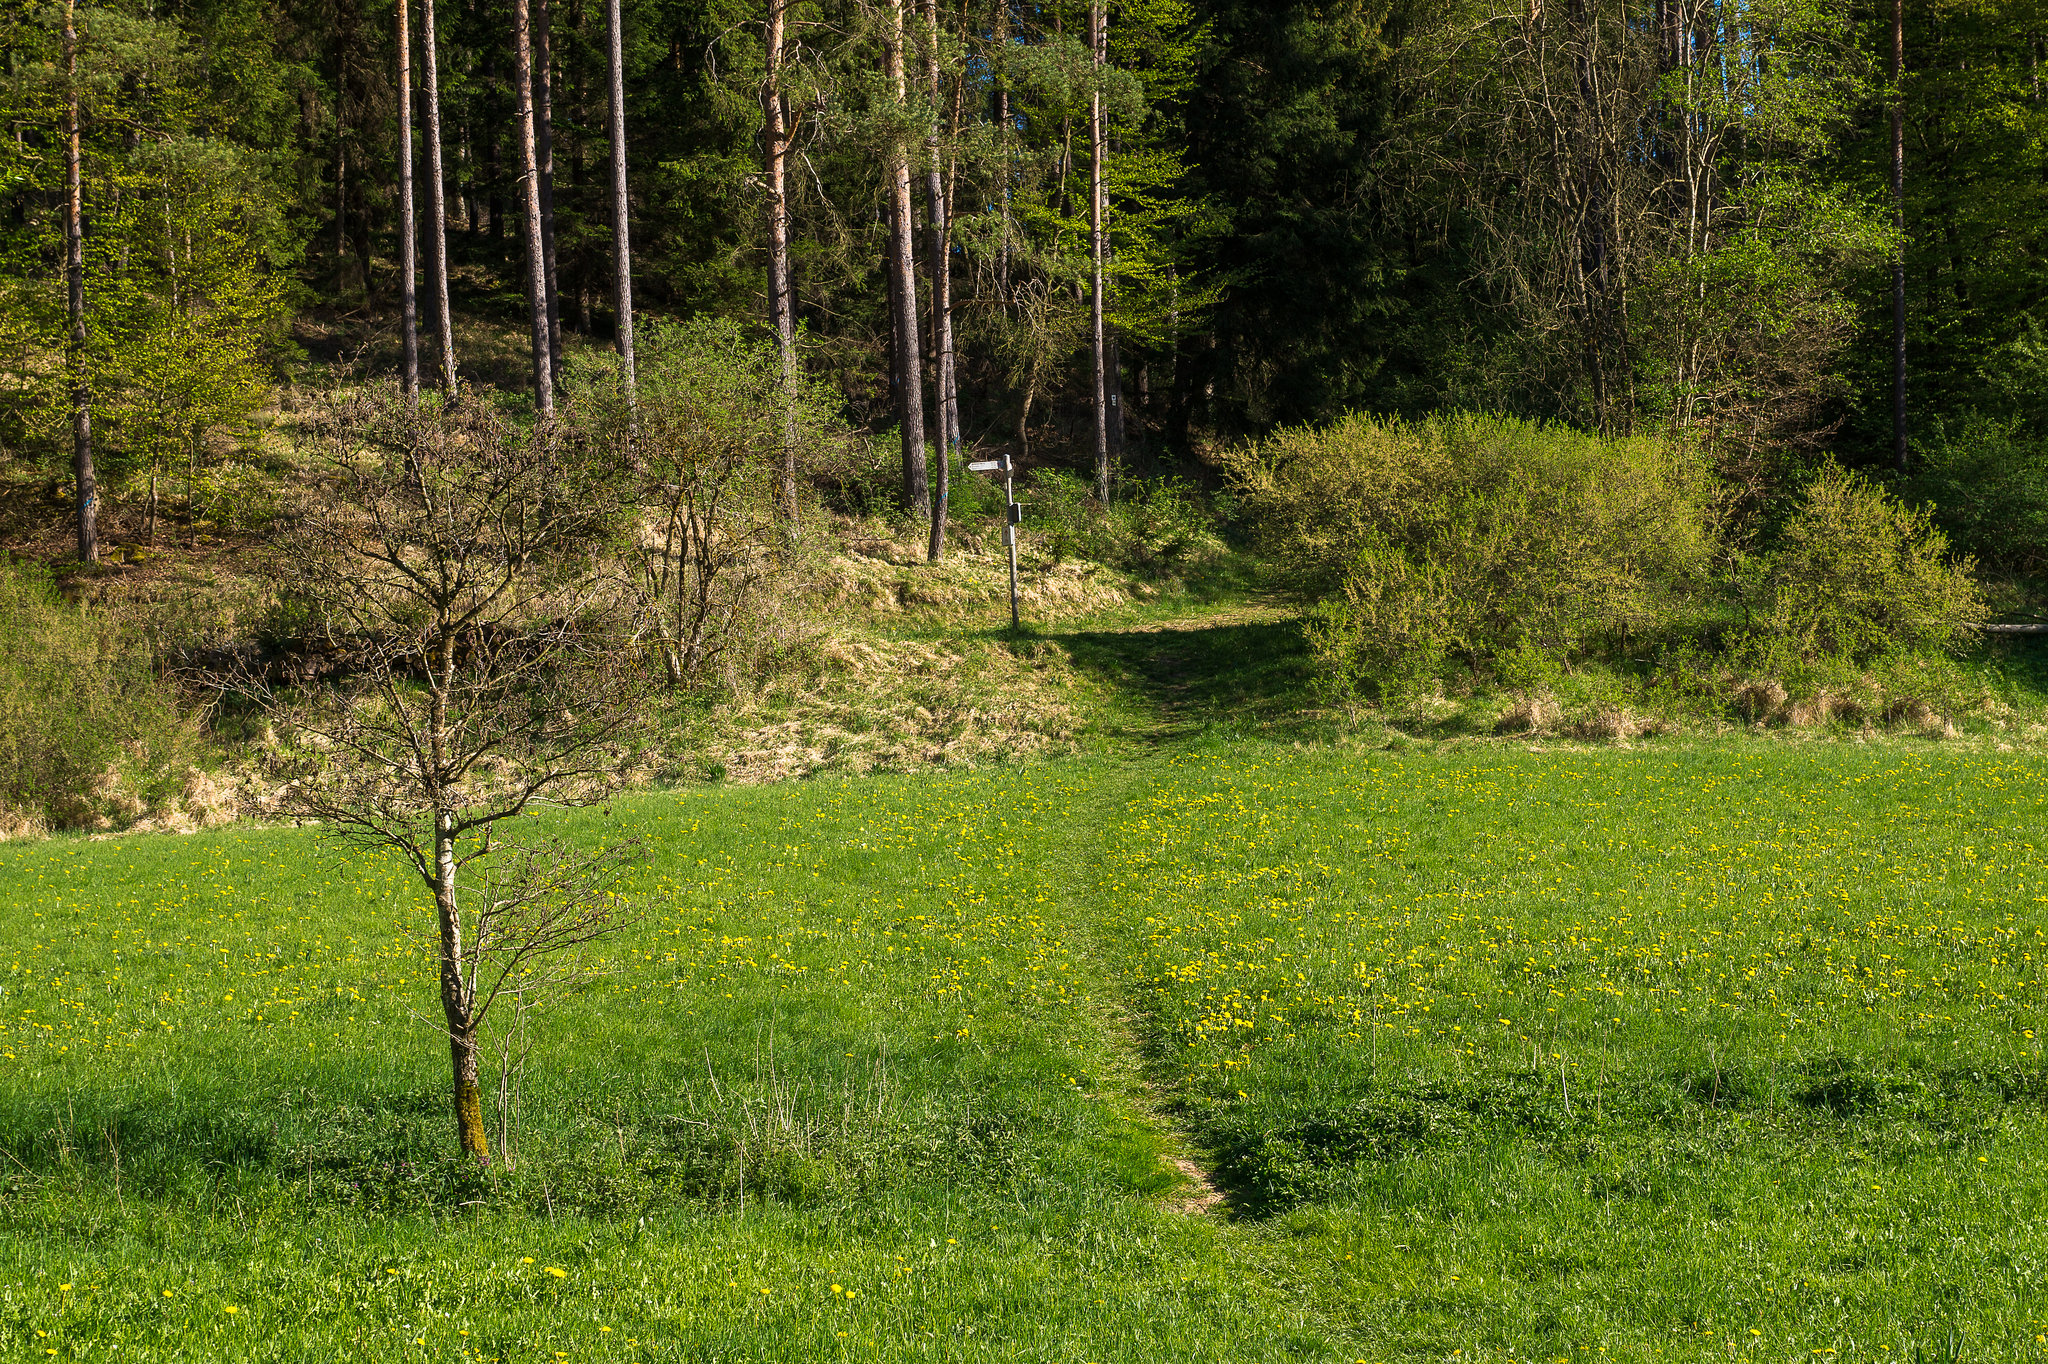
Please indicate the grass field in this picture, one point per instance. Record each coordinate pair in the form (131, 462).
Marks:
(1706, 1052)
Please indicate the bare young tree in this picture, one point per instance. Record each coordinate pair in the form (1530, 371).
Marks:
(450, 568)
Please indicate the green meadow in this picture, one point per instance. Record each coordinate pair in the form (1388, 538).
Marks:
(1705, 1052)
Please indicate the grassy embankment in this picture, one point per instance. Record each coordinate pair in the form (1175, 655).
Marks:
(1678, 1052)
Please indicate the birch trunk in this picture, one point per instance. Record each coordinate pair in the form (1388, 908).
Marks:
(87, 492)
(457, 1009)
(437, 206)
(408, 223)
(903, 273)
(529, 183)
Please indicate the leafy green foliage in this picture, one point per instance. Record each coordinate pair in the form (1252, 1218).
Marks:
(88, 732)
(1857, 574)
(1469, 537)
(1986, 483)
(188, 236)
(723, 449)
(1156, 525)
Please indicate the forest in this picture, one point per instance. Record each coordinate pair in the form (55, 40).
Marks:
(1115, 237)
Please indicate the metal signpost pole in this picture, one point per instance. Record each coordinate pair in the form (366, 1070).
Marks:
(1013, 517)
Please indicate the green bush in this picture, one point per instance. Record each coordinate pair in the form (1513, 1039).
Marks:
(1988, 486)
(1858, 575)
(1149, 526)
(89, 734)
(1473, 537)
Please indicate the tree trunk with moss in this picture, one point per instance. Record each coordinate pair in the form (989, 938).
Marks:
(457, 1004)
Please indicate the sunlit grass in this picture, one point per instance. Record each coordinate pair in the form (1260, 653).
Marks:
(1517, 1054)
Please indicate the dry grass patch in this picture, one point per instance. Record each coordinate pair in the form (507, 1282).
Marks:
(877, 704)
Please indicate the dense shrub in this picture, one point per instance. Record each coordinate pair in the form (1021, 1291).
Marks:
(1150, 525)
(1988, 486)
(1473, 537)
(88, 732)
(1857, 575)
(710, 430)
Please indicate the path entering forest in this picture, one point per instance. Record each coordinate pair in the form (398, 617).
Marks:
(1239, 666)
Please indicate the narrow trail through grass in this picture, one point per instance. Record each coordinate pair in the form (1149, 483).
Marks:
(1194, 1047)
(1238, 665)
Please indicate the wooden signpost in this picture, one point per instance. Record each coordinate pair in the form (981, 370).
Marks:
(1013, 516)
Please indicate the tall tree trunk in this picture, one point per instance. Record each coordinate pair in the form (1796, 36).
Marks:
(494, 185)
(1898, 75)
(85, 488)
(340, 190)
(466, 157)
(1096, 141)
(917, 498)
(437, 207)
(940, 263)
(1001, 29)
(1113, 375)
(544, 147)
(529, 182)
(622, 246)
(408, 222)
(781, 286)
(344, 41)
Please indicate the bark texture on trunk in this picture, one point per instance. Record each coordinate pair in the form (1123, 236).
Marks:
(529, 184)
(437, 205)
(1096, 142)
(544, 150)
(622, 247)
(781, 286)
(917, 499)
(494, 184)
(85, 487)
(457, 1004)
(939, 261)
(1898, 74)
(408, 222)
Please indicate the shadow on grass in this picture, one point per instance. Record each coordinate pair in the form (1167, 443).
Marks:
(1246, 675)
